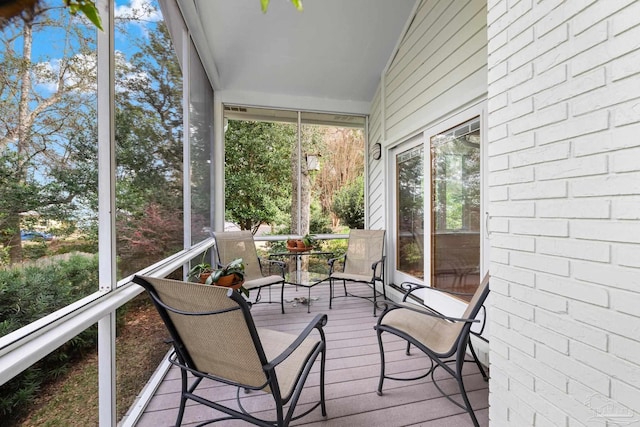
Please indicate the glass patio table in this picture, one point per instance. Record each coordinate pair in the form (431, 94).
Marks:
(304, 274)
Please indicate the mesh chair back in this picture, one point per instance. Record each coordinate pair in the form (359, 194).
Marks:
(220, 344)
(478, 299)
(453, 333)
(238, 244)
(365, 247)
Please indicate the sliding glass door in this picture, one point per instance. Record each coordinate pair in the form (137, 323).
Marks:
(455, 207)
(436, 207)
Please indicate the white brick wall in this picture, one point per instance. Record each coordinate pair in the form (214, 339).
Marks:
(564, 191)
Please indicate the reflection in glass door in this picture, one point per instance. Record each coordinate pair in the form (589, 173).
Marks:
(410, 212)
(455, 206)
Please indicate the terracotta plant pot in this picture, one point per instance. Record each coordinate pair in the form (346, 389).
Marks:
(231, 281)
(204, 276)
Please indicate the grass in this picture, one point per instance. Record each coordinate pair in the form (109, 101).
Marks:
(73, 399)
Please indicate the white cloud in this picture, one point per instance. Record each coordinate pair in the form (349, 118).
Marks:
(79, 73)
(141, 10)
(126, 73)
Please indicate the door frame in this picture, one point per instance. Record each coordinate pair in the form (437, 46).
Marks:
(415, 141)
(446, 304)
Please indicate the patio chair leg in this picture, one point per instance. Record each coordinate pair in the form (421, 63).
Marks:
(281, 298)
(463, 392)
(382, 370)
(330, 292)
(475, 358)
(323, 405)
(183, 399)
(374, 298)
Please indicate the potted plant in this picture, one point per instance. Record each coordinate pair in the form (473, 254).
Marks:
(292, 244)
(200, 272)
(309, 241)
(299, 245)
(230, 275)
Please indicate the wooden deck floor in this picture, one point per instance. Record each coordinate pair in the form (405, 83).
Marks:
(352, 370)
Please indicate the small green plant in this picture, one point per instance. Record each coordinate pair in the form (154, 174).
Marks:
(234, 267)
(309, 240)
(199, 269)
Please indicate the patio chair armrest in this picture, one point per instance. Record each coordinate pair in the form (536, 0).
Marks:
(409, 287)
(375, 263)
(374, 267)
(281, 265)
(483, 309)
(331, 261)
(317, 323)
(392, 305)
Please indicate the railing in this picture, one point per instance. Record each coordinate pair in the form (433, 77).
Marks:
(22, 348)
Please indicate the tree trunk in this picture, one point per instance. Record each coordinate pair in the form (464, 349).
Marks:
(24, 129)
(15, 241)
(304, 189)
(300, 225)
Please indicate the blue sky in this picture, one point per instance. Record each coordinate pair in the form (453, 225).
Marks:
(50, 42)
(133, 18)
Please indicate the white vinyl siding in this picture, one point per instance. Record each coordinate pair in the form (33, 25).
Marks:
(376, 199)
(440, 68)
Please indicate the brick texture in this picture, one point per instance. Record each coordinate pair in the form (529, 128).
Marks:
(564, 199)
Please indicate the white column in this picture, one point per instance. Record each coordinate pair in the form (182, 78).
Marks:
(106, 213)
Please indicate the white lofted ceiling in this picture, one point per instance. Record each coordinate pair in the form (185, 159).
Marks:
(328, 57)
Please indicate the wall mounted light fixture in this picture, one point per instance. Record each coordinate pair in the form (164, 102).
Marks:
(376, 151)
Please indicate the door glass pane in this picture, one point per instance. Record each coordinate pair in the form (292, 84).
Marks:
(410, 214)
(455, 180)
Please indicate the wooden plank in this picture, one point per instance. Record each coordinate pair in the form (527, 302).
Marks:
(351, 378)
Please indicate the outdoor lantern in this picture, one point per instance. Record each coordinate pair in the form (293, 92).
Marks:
(313, 163)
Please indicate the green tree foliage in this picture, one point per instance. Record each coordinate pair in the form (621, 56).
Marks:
(257, 172)
(319, 222)
(342, 162)
(264, 4)
(18, 193)
(348, 203)
(149, 153)
(149, 124)
(39, 98)
(12, 9)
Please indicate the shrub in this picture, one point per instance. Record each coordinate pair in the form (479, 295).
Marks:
(337, 246)
(348, 204)
(319, 223)
(30, 293)
(34, 250)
